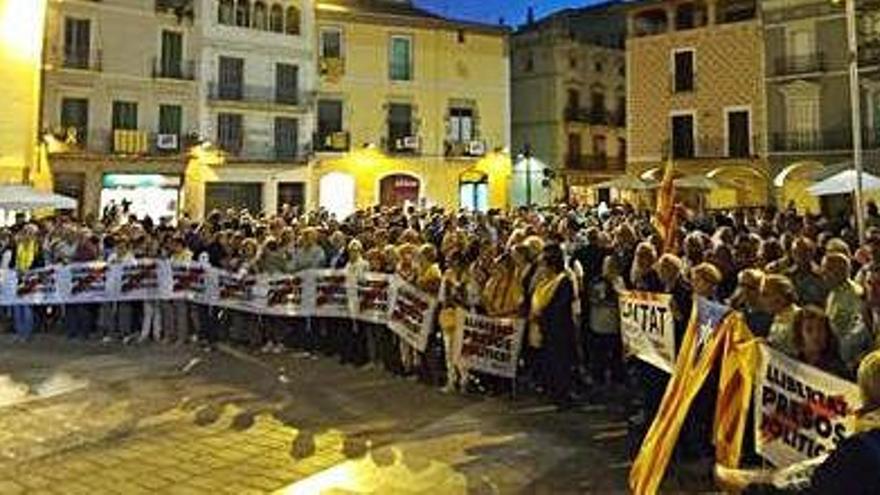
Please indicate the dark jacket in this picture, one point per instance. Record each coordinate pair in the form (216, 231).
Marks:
(853, 468)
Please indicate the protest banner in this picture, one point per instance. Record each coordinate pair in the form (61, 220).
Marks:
(38, 286)
(188, 279)
(412, 315)
(647, 328)
(801, 412)
(489, 345)
(284, 295)
(87, 282)
(136, 280)
(235, 291)
(331, 294)
(371, 297)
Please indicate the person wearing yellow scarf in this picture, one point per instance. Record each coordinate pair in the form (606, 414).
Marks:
(503, 295)
(552, 325)
(26, 253)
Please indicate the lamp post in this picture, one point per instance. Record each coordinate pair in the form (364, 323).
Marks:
(856, 109)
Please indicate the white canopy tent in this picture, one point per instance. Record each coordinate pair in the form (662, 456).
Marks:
(626, 182)
(843, 183)
(26, 198)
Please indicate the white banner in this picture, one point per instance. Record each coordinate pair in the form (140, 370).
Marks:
(331, 294)
(285, 295)
(489, 345)
(370, 298)
(412, 314)
(800, 412)
(647, 328)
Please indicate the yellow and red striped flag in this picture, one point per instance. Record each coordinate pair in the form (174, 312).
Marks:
(664, 216)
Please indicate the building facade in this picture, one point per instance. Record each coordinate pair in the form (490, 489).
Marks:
(412, 108)
(808, 96)
(120, 102)
(695, 96)
(569, 112)
(21, 45)
(257, 84)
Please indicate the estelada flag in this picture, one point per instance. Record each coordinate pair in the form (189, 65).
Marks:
(664, 217)
(701, 346)
(739, 360)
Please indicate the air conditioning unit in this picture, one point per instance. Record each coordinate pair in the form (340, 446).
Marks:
(167, 142)
(476, 148)
(407, 143)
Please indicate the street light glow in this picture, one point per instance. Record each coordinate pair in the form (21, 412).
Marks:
(21, 29)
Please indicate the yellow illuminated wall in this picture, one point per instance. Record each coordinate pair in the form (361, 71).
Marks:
(451, 63)
(21, 46)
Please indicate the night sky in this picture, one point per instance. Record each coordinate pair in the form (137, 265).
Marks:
(513, 11)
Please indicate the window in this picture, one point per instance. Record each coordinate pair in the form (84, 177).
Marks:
(331, 43)
(683, 142)
(683, 67)
(286, 84)
(598, 110)
(399, 122)
(600, 149)
(329, 119)
(77, 38)
(573, 100)
(461, 125)
(573, 158)
(261, 16)
(276, 19)
(802, 122)
(226, 12)
(286, 130)
(621, 152)
(738, 134)
(125, 116)
(572, 62)
(170, 119)
(229, 132)
(231, 75)
(400, 66)
(243, 13)
(172, 54)
(75, 116)
(292, 21)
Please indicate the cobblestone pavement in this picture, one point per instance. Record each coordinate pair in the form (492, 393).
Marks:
(92, 419)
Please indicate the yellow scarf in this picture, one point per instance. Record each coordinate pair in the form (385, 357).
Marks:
(545, 289)
(25, 253)
(503, 294)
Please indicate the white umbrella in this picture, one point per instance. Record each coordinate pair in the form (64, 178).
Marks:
(16, 197)
(843, 183)
(624, 182)
(697, 182)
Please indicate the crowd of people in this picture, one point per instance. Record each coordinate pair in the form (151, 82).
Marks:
(804, 283)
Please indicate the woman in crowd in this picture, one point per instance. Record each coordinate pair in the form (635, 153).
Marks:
(27, 256)
(816, 344)
(604, 324)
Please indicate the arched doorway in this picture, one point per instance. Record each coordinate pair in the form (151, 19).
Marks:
(398, 189)
(742, 186)
(473, 191)
(792, 183)
(336, 194)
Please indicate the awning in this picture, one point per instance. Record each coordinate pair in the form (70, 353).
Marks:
(20, 198)
(843, 183)
(697, 182)
(626, 182)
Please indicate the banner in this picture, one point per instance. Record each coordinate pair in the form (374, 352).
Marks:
(489, 345)
(801, 412)
(284, 295)
(647, 328)
(137, 280)
(188, 279)
(331, 294)
(235, 291)
(38, 286)
(412, 315)
(371, 297)
(87, 282)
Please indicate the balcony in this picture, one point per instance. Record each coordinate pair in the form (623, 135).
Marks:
(331, 68)
(713, 147)
(474, 148)
(184, 70)
(255, 95)
(594, 116)
(121, 142)
(869, 55)
(821, 141)
(594, 162)
(79, 59)
(408, 145)
(333, 142)
(252, 153)
(790, 65)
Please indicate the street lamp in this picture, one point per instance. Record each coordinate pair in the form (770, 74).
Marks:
(856, 109)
